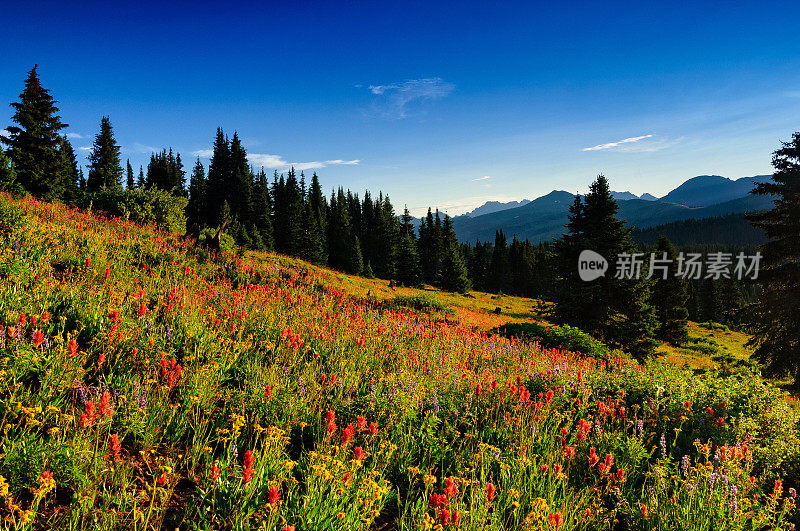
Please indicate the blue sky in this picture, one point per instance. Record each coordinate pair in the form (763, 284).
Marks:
(438, 104)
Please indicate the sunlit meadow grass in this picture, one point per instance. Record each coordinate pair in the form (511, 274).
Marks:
(146, 384)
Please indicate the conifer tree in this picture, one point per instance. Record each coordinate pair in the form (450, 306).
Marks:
(129, 171)
(140, 179)
(408, 271)
(262, 211)
(499, 278)
(197, 197)
(339, 233)
(81, 180)
(241, 178)
(310, 245)
(105, 170)
(218, 183)
(454, 272)
(775, 318)
(69, 172)
(165, 171)
(355, 261)
(616, 310)
(8, 177)
(670, 297)
(34, 142)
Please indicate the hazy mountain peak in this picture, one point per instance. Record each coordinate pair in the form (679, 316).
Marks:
(490, 207)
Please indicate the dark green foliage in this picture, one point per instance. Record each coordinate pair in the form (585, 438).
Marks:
(196, 205)
(670, 297)
(104, 168)
(165, 171)
(453, 276)
(408, 271)
(129, 182)
(616, 310)
(146, 205)
(69, 173)
(355, 262)
(288, 205)
(8, 177)
(35, 145)
(429, 245)
(311, 243)
(262, 211)
(731, 231)
(499, 279)
(564, 337)
(775, 318)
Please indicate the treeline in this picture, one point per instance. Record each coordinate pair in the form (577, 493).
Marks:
(285, 214)
(722, 233)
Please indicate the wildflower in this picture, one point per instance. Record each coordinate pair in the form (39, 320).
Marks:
(358, 454)
(491, 492)
(444, 517)
(593, 458)
(644, 511)
(72, 349)
(38, 338)
(373, 428)
(778, 490)
(162, 479)
(89, 414)
(451, 487)
(544, 469)
(456, 517)
(46, 483)
(361, 422)
(569, 452)
(288, 528)
(555, 519)
(87, 264)
(113, 447)
(274, 495)
(247, 475)
(214, 472)
(105, 405)
(437, 501)
(268, 392)
(620, 474)
(142, 310)
(46, 316)
(347, 434)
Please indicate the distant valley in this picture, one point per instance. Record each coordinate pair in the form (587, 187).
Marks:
(543, 218)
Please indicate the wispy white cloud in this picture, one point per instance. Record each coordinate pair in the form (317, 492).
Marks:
(277, 162)
(85, 148)
(612, 145)
(393, 100)
(74, 135)
(141, 148)
(485, 177)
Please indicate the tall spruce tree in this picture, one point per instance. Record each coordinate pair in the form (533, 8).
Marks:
(218, 183)
(670, 296)
(454, 273)
(197, 198)
(340, 236)
(105, 170)
(499, 279)
(34, 143)
(262, 211)
(129, 184)
(140, 179)
(69, 172)
(775, 318)
(408, 271)
(617, 310)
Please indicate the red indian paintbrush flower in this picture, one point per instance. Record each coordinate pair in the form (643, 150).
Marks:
(105, 405)
(38, 338)
(358, 454)
(89, 415)
(555, 520)
(113, 447)
(491, 492)
(273, 495)
(247, 474)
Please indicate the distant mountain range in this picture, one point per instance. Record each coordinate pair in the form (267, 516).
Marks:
(544, 218)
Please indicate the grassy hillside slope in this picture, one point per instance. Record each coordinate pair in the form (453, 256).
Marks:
(148, 385)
